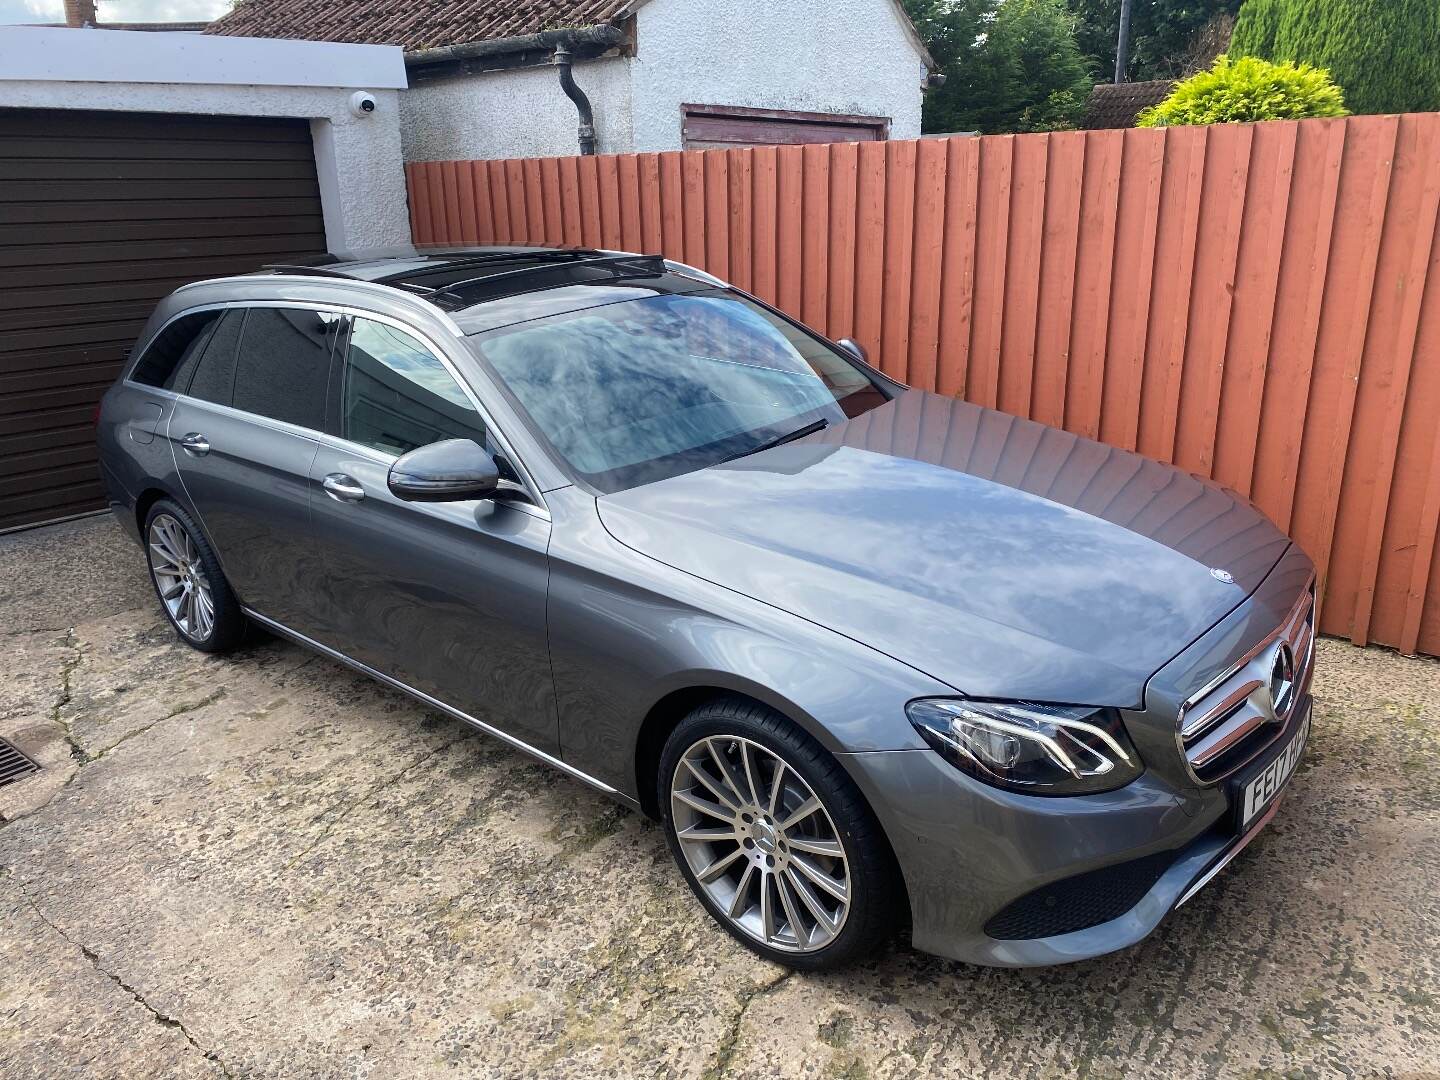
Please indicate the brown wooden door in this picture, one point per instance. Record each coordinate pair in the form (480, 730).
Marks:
(101, 215)
(717, 126)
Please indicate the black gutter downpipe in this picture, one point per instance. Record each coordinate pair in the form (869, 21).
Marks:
(562, 60)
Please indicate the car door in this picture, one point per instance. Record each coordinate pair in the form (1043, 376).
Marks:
(447, 598)
(244, 436)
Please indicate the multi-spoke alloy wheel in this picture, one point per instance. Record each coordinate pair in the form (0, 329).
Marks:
(189, 582)
(760, 843)
(180, 578)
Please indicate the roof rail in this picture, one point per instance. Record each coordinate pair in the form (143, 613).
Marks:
(307, 271)
(553, 276)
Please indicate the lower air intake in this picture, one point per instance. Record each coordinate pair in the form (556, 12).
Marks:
(1080, 902)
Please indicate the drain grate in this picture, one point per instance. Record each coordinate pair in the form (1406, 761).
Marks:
(13, 764)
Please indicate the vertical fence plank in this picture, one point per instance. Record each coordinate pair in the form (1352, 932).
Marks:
(651, 206)
(1175, 271)
(534, 202)
(1094, 262)
(419, 201)
(927, 266)
(764, 231)
(1252, 320)
(740, 206)
(519, 213)
(957, 273)
(840, 312)
(554, 207)
(982, 383)
(573, 227)
(1136, 231)
(717, 213)
(899, 248)
(629, 185)
(789, 224)
(1254, 302)
(814, 235)
(869, 246)
(672, 206)
(465, 195)
(1222, 208)
(693, 170)
(1023, 262)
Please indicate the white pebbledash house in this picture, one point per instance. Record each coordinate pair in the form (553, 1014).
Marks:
(497, 79)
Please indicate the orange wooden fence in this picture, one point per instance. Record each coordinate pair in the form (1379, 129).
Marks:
(1256, 303)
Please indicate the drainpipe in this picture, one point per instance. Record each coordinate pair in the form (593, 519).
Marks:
(562, 60)
(560, 48)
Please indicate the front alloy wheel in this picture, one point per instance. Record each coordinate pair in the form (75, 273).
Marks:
(760, 843)
(774, 837)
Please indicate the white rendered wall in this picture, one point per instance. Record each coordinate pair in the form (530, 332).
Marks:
(517, 113)
(832, 56)
(358, 162)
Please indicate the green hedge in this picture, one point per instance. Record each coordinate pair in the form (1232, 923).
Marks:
(1385, 53)
(1238, 91)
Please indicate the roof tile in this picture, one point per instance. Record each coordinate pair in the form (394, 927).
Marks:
(417, 24)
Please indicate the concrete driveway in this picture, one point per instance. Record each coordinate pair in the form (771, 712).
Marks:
(268, 866)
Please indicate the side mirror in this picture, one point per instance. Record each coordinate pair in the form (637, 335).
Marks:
(854, 348)
(455, 470)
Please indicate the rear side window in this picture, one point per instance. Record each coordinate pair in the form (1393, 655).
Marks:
(214, 369)
(283, 364)
(397, 395)
(173, 351)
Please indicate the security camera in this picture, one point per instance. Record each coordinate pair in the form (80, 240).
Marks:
(362, 103)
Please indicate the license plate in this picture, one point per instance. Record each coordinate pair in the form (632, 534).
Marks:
(1260, 790)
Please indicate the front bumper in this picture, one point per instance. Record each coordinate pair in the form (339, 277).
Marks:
(988, 871)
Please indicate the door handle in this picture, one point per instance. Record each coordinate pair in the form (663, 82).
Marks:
(195, 444)
(342, 488)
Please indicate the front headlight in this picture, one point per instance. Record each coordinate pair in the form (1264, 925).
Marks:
(1022, 746)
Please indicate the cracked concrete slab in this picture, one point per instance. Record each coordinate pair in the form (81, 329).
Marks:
(268, 866)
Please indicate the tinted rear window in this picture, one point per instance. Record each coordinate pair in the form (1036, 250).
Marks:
(283, 364)
(174, 349)
(214, 371)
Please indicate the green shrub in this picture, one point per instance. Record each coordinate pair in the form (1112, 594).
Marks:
(1238, 91)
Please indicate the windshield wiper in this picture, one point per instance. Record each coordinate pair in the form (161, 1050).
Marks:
(798, 433)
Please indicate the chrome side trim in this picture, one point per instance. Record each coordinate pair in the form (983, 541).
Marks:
(414, 299)
(433, 702)
(1230, 853)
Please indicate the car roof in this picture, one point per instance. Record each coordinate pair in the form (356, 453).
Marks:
(485, 287)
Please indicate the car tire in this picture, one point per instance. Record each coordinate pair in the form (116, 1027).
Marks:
(745, 843)
(189, 583)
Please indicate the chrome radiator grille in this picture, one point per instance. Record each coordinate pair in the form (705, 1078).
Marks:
(1237, 716)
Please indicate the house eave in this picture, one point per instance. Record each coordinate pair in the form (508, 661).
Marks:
(500, 54)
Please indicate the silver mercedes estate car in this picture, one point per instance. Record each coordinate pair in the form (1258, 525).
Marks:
(879, 661)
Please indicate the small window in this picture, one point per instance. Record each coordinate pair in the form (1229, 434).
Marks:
(398, 396)
(283, 364)
(174, 350)
(213, 377)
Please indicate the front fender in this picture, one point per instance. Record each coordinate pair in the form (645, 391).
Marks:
(626, 632)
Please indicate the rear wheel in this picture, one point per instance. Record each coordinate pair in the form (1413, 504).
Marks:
(193, 591)
(774, 838)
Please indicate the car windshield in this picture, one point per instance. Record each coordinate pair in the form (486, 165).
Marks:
(637, 391)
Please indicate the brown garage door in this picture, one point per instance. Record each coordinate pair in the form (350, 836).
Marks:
(102, 214)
